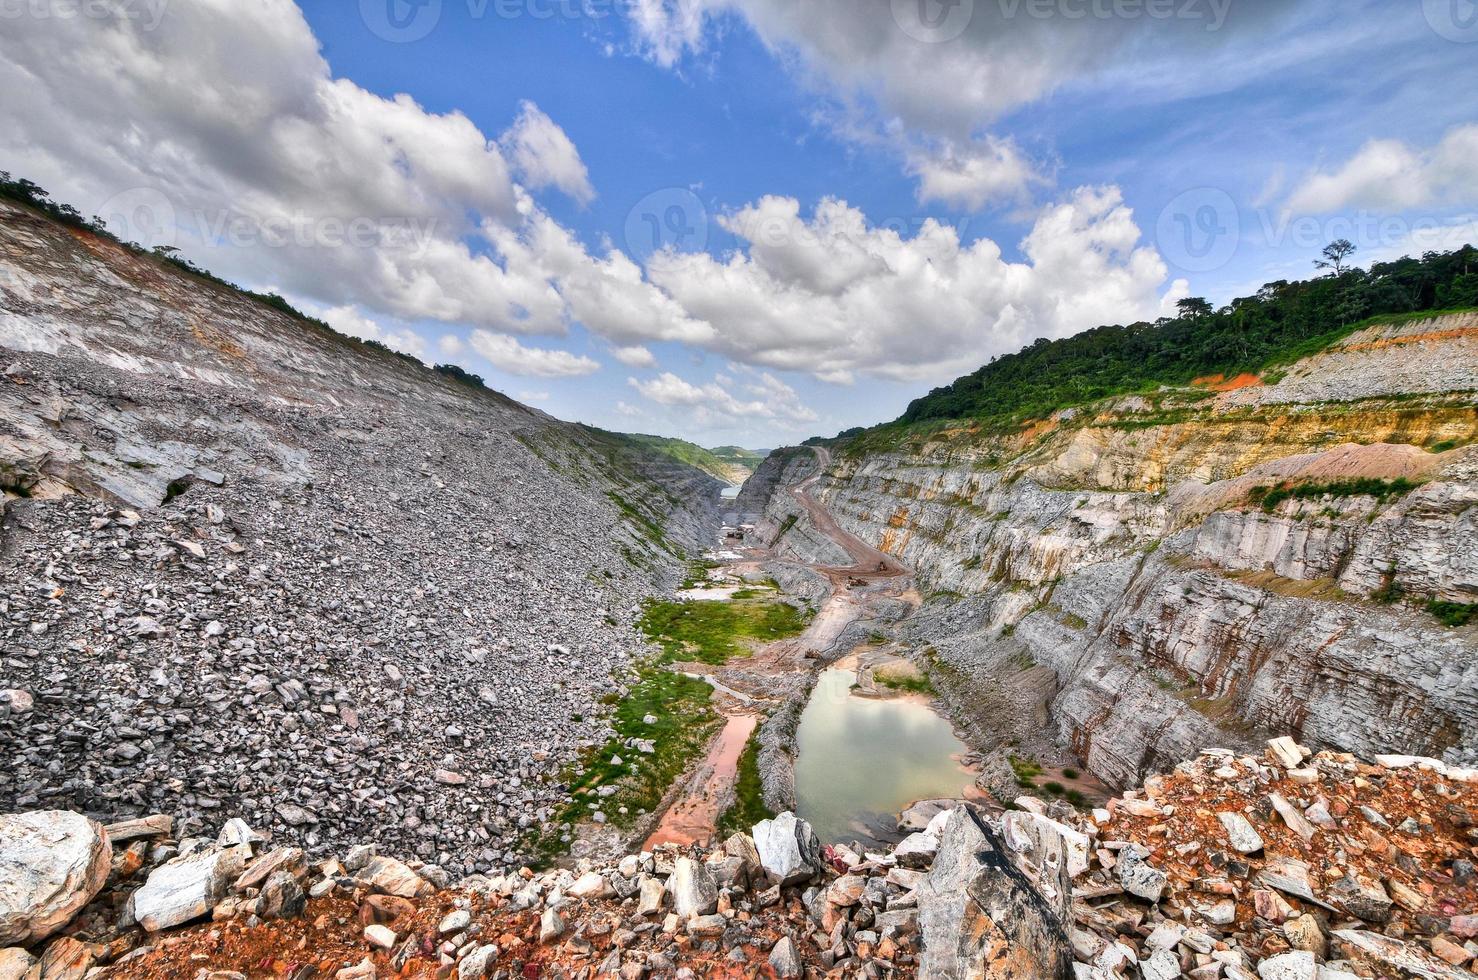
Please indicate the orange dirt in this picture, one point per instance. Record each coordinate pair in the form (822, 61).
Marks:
(1457, 333)
(1220, 382)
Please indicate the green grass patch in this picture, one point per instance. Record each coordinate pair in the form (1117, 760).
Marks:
(1026, 771)
(748, 807)
(785, 527)
(904, 676)
(1382, 490)
(712, 631)
(1453, 613)
(685, 723)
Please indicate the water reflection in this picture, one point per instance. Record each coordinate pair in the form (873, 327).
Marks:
(862, 760)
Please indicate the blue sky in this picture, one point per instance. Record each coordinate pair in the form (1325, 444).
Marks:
(854, 204)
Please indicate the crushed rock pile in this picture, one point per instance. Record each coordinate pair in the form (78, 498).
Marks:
(1288, 866)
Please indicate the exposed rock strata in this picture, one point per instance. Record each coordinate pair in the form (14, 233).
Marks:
(1107, 569)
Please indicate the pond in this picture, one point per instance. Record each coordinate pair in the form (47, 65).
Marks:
(861, 760)
(730, 493)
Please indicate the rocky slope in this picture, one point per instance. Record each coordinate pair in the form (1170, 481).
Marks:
(1124, 573)
(253, 567)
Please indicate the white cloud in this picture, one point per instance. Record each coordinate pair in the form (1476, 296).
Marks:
(533, 396)
(989, 170)
(545, 157)
(832, 296)
(223, 131)
(714, 402)
(348, 320)
(507, 354)
(1395, 176)
(637, 357)
(451, 345)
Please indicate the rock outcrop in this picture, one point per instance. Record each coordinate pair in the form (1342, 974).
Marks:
(1112, 573)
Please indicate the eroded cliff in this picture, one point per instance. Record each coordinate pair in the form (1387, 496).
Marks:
(1152, 574)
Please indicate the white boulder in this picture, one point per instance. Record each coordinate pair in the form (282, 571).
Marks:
(52, 863)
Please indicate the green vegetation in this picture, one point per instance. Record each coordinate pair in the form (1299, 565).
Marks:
(785, 527)
(1026, 771)
(1281, 323)
(643, 524)
(711, 631)
(903, 676)
(748, 807)
(685, 722)
(1453, 613)
(1382, 490)
(728, 463)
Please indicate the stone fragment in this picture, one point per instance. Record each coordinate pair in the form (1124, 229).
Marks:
(1138, 877)
(15, 963)
(391, 877)
(692, 888)
(187, 887)
(1288, 966)
(1395, 957)
(788, 849)
(52, 863)
(1292, 817)
(982, 917)
(1285, 752)
(1361, 897)
(1243, 837)
(379, 936)
(785, 960)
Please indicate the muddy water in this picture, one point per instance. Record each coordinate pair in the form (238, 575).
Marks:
(861, 760)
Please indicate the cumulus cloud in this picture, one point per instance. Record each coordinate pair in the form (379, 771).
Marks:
(222, 131)
(348, 320)
(637, 356)
(1393, 175)
(833, 296)
(766, 398)
(950, 68)
(989, 170)
(507, 354)
(545, 157)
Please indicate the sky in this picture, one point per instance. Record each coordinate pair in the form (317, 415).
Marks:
(747, 221)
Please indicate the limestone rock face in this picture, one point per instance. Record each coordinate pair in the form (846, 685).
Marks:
(1107, 575)
(983, 918)
(52, 863)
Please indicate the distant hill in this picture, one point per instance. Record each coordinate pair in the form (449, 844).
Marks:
(733, 464)
(1252, 334)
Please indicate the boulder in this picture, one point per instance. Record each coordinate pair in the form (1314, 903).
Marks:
(187, 887)
(14, 963)
(788, 849)
(1389, 956)
(52, 863)
(1138, 877)
(785, 960)
(981, 917)
(692, 888)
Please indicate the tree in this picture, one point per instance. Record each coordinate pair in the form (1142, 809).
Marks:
(1335, 254)
(1193, 307)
